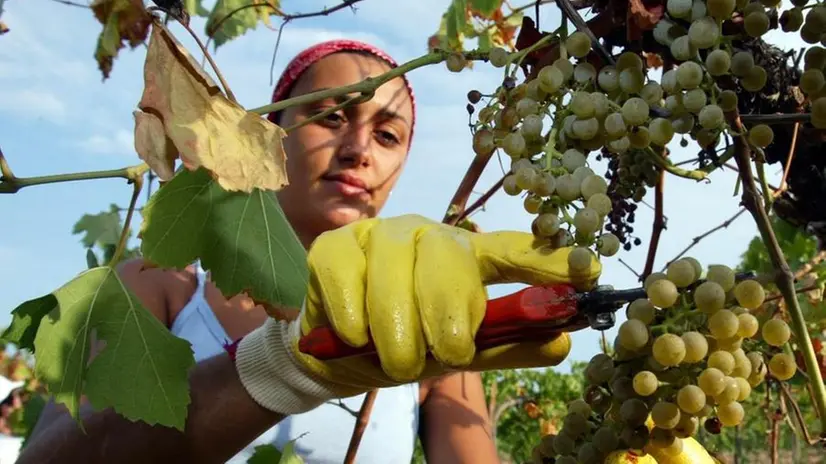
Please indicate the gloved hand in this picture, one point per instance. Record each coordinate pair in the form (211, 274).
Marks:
(416, 286)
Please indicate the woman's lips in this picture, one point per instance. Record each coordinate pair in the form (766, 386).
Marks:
(348, 185)
(348, 190)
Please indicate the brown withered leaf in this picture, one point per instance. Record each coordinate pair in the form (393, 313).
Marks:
(242, 150)
(643, 15)
(652, 60)
(123, 21)
(153, 146)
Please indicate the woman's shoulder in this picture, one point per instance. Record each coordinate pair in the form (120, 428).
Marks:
(161, 291)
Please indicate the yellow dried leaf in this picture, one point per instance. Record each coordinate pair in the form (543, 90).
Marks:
(241, 149)
(153, 146)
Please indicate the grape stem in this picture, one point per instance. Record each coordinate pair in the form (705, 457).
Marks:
(663, 163)
(137, 186)
(629, 268)
(784, 278)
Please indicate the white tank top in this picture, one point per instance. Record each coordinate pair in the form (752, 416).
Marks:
(323, 434)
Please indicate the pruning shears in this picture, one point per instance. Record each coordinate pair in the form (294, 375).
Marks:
(532, 314)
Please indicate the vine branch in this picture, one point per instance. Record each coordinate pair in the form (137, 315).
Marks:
(361, 425)
(355, 100)
(798, 415)
(656, 227)
(570, 12)
(787, 168)
(456, 209)
(203, 48)
(368, 85)
(323, 12)
(480, 202)
(12, 184)
(805, 289)
(775, 118)
(286, 17)
(71, 3)
(806, 268)
(784, 278)
(697, 239)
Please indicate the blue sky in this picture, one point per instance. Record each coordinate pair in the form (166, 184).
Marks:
(57, 116)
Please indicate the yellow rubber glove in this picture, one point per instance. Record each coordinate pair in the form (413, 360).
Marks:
(416, 286)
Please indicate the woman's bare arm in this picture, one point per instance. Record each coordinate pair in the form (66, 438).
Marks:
(455, 424)
(222, 420)
(222, 417)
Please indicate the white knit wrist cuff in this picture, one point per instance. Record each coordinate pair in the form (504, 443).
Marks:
(271, 375)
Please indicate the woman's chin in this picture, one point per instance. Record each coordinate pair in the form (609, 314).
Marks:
(342, 215)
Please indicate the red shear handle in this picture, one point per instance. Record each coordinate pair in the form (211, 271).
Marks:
(532, 308)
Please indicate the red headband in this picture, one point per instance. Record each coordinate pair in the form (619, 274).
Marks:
(305, 59)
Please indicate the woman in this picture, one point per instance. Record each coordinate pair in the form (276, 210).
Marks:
(341, 170)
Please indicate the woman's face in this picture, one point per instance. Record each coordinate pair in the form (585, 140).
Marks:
(342, 167)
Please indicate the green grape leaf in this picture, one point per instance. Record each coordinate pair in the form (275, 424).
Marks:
(486, 8)
(269, 454)
(142, 372)
(244, 239)
(26, 320)
(455, 23)
(230, 19)
(91, 258)
(31, 413)
(265, 454)
(486, 39)
(99, 229)
(195, 8)
(289, 456)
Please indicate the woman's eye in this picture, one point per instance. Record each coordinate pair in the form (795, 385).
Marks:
(387, 137)
(332, 120)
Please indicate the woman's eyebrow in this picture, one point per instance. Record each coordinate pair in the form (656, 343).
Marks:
(385, 113)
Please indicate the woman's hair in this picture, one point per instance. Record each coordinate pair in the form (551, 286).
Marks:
(296, 68)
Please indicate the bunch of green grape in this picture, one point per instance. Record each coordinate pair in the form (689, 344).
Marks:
(688, 355)
(693, 32)
(550, 126)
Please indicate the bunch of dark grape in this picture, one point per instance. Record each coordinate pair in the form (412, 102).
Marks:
(622, 215)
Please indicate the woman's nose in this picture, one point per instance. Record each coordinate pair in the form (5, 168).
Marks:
(356, 145)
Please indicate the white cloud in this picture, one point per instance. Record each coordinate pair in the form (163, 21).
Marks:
(119, 143)
(35, 104)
